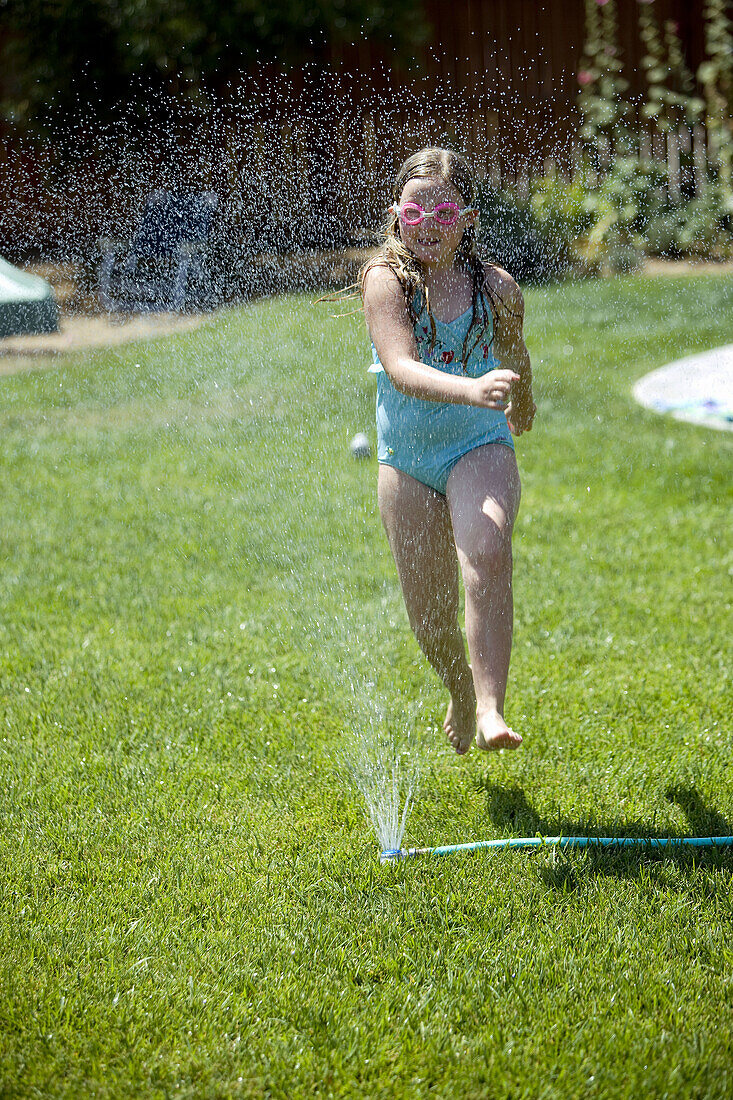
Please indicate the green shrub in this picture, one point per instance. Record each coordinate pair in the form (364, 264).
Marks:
(612, 223)
(704, 227)
(531, 250)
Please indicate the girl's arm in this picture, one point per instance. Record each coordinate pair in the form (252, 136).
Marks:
(510, 348)
(391, 331)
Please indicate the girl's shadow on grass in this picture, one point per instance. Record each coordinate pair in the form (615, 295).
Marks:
(509, 809)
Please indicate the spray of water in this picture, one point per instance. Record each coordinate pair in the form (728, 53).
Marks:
(299, 159)
(383, 746)
(383, 759)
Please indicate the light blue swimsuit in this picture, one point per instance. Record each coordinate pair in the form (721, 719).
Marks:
(426, 439)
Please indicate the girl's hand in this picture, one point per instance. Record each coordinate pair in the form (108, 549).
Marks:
(520, 415)
(491, 390)
(509, 347)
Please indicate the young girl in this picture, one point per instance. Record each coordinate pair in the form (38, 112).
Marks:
(454, 381)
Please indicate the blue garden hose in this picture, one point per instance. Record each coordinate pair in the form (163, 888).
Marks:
(563, 842)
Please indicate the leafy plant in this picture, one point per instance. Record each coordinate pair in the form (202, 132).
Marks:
(530, 247)
(612, 223)
(624, 204)
(716, 77)
(602, 84)
(671, 97)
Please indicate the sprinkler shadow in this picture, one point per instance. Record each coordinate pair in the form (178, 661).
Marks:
(509, 809)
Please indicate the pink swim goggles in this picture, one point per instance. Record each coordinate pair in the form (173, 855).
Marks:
(445, 213)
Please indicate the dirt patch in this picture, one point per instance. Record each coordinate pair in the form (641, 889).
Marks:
(78, 332)
(687, 267)
(84, 324)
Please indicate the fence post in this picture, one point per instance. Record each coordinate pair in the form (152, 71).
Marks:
(576, 161)
(699, 159)
(673, 166)
(523, 181)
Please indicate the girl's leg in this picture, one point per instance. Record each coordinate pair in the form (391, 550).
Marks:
(419, 530)
(483, 496)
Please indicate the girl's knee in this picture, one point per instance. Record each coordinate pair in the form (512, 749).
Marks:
(486, 559)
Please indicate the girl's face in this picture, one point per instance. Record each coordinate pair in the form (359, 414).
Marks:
(433, 244)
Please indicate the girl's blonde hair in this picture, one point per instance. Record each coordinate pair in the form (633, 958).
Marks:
(451, 167)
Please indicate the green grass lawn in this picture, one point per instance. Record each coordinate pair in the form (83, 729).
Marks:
(194, 576)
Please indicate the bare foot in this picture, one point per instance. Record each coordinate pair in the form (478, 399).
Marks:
(460, 721)
(493, 733)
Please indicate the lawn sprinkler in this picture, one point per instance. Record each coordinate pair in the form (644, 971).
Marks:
(390, 855)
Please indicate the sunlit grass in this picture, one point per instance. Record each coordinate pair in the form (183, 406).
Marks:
(194, 570)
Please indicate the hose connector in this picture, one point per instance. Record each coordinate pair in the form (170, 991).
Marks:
(390, 854)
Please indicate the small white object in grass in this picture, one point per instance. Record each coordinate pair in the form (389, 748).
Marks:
(360, 446)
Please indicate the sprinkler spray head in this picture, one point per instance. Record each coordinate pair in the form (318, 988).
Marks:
(390, 854)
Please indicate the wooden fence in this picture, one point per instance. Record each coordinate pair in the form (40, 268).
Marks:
(497, 80)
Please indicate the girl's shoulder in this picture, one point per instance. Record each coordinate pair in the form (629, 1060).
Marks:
(379, 280)
(382, 289)
(501, 288)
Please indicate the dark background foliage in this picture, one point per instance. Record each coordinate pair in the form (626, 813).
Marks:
(72, 57)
